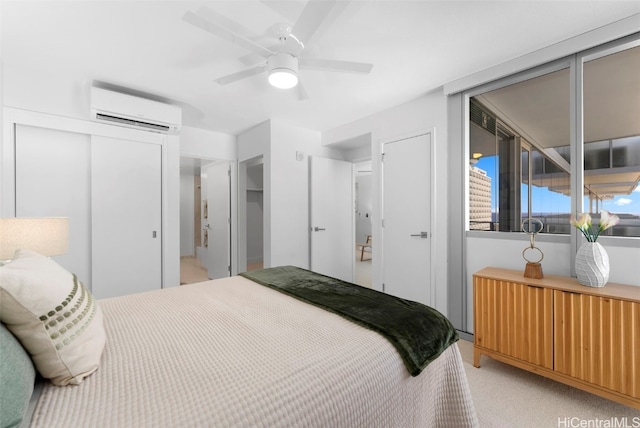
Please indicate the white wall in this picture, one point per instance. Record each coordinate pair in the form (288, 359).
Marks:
(45, 91)
(254, 142)
(290, 191)
(204, 144)
(285, 187)
(358, 154)
(623, 261)
(425, 113)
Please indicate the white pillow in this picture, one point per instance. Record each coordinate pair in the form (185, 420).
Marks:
(53, 315)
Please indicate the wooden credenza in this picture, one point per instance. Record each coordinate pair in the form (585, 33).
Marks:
(585, 337)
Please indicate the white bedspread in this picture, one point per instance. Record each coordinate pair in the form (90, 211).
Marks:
(232, 353)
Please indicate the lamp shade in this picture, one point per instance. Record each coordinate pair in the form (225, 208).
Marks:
(46, 236)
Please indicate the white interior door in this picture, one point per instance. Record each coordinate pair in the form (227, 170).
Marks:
(126, 206)
(218, 223)
(407, 218)
(332, 217)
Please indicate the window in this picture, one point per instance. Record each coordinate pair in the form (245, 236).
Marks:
(612, 139)
(521, 154)
(519, 145)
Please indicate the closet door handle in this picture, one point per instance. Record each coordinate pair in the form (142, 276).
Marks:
(317, 229)
(421, 235)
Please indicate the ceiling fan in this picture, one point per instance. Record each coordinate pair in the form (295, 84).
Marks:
(283, 61)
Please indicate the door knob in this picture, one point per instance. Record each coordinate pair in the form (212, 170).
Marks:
(317, 229)
(421, 235)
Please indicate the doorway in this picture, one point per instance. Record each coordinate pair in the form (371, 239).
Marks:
(196, 259)
(331, 216)
(357, 151)
(364, 208)
(251, 214)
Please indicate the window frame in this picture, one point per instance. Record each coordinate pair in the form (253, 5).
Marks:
(557, 65)
(575, 64)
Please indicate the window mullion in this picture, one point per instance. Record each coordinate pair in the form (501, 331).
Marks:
(576, 116)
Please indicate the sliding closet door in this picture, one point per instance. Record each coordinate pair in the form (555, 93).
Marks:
(53, 180)
(126, 203)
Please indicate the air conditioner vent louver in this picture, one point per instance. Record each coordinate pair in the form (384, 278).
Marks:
(131, 122)
(131, 111)
(482, 118)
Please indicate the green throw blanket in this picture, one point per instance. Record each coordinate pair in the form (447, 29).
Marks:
(419, 332)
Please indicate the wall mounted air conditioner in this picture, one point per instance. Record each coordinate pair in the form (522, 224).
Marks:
(134, 112)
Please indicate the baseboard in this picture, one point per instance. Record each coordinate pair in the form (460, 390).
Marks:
(465, 336)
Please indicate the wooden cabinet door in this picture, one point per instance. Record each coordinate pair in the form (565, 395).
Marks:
(514, 319)
(597, 339)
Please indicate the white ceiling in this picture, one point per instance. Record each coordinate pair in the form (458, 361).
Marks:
(415, 46)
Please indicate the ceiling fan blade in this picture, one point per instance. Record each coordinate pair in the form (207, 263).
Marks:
(230, 78)
(250, 59)
(312, 16)
(335, 65)
(201, 20)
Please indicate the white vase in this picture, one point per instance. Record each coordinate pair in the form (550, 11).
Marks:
(592, 265)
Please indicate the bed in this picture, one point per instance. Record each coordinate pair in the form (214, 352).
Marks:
(236, 352)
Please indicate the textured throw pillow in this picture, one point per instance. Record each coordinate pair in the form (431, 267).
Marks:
(54, 316)
(17, 377)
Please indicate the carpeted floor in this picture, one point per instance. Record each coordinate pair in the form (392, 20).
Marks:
(506, 396)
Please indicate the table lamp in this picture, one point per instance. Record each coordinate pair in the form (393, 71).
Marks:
(46, 236)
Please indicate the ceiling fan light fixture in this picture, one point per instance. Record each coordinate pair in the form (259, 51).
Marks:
(283, 70)
(283, 78)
